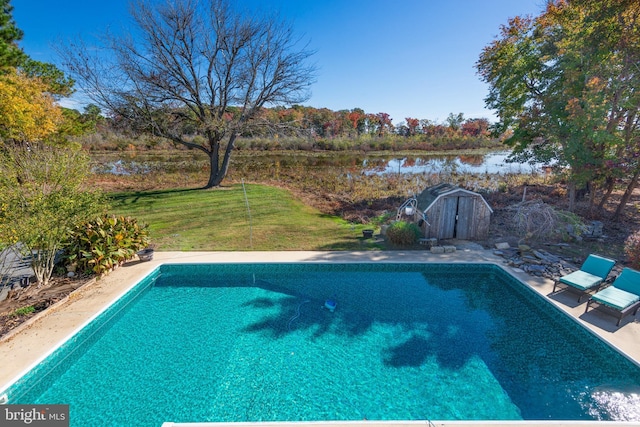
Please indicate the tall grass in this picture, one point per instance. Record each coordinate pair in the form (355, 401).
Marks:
(112, 141)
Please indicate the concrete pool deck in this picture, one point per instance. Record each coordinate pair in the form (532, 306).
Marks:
(30, 343)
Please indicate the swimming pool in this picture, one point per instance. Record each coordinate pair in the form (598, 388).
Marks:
(253, 342)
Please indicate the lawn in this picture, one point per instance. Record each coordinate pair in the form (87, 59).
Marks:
(222, 219)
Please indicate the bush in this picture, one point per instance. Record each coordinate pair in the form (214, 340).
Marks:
(632, 249)
(403, 233)
(43, 194)
(99, 245)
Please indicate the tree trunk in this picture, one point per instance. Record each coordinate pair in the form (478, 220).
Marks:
(627, 195)
(591, 186)
(572, 196)
(214, 178)
(218, 172)
(607, 192)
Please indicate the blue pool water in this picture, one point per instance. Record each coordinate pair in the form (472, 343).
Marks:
(254, 342)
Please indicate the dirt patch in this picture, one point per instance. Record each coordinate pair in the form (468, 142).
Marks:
(554, 195)
(16, 309)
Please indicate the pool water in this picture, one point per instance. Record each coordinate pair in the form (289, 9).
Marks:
(254, 342)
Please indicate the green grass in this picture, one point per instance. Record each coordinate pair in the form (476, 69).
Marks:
(218, 220)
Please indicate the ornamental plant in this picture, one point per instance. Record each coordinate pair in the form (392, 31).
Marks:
(106, 242)
(403, 233)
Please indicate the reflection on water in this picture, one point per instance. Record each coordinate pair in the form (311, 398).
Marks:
(618, 406)
(122, 167)
(490, 163)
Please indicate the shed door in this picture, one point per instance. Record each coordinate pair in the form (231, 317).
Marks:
(464, 222)
(447, 228)
(457, 217)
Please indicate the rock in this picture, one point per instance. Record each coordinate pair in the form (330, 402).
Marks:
(593, 231)
(524, 248)
(545, 256)
(502, 245)
(437, 249)
(531, 259)
(449, 248)
(537, 268)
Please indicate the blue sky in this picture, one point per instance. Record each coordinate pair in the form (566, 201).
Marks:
(407, 58)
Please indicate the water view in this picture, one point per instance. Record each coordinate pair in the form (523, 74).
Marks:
(488, 163)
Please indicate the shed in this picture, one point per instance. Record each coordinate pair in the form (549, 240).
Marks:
(451, 212)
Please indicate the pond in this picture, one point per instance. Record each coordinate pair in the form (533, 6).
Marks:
(491, 163)
(369, 164)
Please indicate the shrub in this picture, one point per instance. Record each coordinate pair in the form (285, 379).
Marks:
(42, 194)
(632, 249)
(403, 233)
(101, 244)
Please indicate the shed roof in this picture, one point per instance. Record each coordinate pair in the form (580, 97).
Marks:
(431, 194)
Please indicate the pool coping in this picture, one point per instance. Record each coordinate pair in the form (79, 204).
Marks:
(22, 350)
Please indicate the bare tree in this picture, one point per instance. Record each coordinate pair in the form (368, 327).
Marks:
(195, 72)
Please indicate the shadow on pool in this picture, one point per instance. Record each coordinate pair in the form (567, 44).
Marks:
(425, 313)
(451, 319)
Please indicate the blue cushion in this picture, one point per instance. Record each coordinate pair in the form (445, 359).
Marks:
(581, 280)
(616, 297)
(598, 266)
(628, 280)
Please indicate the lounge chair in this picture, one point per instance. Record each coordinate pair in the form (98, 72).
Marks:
(622, 297)
(590, 278)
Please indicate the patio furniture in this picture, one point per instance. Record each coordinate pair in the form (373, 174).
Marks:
(589, 279)
(622, 297)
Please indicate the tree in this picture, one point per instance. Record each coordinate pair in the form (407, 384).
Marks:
(57, 83)
(27, 112)
(455, 121)
(475, 128)
(566, 84)
(10, 54)
(41, 198)
(412, 125)
(28, 88)
(192, 62)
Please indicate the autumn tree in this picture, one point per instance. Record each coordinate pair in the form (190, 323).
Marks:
(28, 88)
(412, 125)
(357, 118)
(475, 128)
(190, 63)
(565, 83)
(27, 112)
